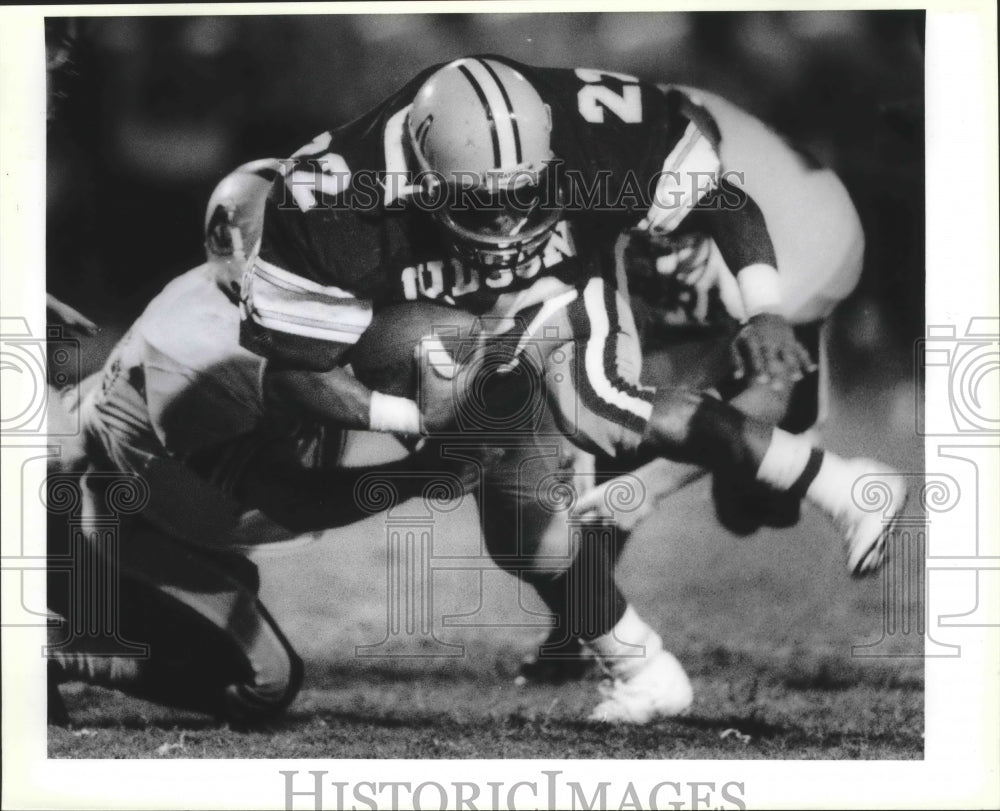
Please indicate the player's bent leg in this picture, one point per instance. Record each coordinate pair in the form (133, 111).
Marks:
(260, 673)
(213, 647)
(744, 507)
(272, 672)
(524, 512)
(570, 565)
(718, 436)
(593, 390)
(527, 536)
(528, 533)
(701, 361)
(600, 405)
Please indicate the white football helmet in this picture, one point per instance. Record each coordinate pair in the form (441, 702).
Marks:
(481, 135)
(235, 217)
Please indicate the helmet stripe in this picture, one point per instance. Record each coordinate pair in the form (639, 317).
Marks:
(510, 108)
(489, 112)
(501, 115)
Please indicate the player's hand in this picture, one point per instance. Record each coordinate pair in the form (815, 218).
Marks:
(767, 350)
(61, 313)
(440, 381)
(594, 504)
(437, 412)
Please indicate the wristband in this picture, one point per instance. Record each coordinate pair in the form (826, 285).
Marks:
(760, 287)
(397, 415)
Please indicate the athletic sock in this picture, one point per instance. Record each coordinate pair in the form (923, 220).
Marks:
(785, 461)
(830, 487)
(793, 465)
(585, 598)
(626, 646)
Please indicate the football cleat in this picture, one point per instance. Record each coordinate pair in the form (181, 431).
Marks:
(866, 531)
(658, 689)
(644, 682)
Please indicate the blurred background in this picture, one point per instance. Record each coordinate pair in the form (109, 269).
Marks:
(148, 113)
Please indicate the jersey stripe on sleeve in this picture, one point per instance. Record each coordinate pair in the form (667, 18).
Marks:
(689, 172)
(278, 300)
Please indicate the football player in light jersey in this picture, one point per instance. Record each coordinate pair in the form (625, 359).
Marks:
(819, 243)
(501, 189)
(179, 416)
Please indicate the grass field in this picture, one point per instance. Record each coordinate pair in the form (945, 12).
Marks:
(764, 625)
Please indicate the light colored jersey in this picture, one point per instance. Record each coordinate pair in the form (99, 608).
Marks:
(180, 403)
(815, 228)
(178, 381)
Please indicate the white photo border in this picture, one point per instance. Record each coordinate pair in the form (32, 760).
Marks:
(960, 768)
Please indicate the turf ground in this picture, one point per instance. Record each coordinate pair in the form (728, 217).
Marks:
(764, 625)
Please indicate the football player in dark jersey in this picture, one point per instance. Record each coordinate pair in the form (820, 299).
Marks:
(503, 190)
(687, 304)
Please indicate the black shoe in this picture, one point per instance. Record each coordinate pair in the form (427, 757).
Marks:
(555, 661)
(57, 712)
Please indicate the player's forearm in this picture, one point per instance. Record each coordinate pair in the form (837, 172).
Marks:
(61, 313)
(337, 397)
(306, 500)
(737, 224)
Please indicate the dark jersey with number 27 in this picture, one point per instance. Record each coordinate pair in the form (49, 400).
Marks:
(342, 235)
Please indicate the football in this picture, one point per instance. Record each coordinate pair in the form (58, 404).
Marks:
(384, 357)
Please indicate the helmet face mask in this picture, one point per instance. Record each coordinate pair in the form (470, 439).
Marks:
(500, 230)
(480, 133)
(494, 252)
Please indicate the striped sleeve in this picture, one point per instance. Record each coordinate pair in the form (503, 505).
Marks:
(286, 316)
(690, 171)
